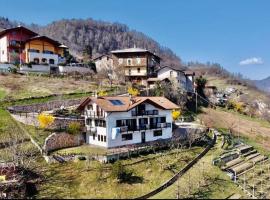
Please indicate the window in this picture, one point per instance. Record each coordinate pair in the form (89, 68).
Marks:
(105, 138)
(47, 52)
(33, 50)
(101, 138)
(126, 137)
(157, 133)
(98, 137)
(100, 123)
(51, 61)
(90, 107)
(138, 60)
(44, 60)
(89, 122)
(129, 61)
(139, 70)
(94, 136)
(36, 60)
(116, 102)
(129, 71)
(120, 60)
(3, 52)
(120, 123)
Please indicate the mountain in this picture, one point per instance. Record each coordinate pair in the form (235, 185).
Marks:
(101, 36)
(263, 84)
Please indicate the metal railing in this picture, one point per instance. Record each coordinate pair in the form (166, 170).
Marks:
(145, 127)
(144, 112)
(95, 115)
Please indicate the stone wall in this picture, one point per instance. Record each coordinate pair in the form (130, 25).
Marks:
(61, 140)
(44, 106)
(59, 122)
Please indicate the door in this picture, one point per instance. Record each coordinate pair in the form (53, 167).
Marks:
(143, 137)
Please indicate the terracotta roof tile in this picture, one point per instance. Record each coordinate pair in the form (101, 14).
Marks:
(128, 103)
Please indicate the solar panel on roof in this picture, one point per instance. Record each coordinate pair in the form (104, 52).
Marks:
(116, 102)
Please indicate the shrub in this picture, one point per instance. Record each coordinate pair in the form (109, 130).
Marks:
(12, 70)
(45, 120)
(176, 114)
(133, 91)
(74, 128)
(120, 173)
(102, 93)
(237, 106)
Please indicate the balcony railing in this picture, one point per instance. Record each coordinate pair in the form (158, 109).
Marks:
(145, 127)
(94, 115)
(144, 112)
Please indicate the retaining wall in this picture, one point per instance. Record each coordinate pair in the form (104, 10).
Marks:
(44, 106)
(57, 141)
(59, 122)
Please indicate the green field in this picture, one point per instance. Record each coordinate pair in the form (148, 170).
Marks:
(203, 181)
(8, 128)
(82, 179)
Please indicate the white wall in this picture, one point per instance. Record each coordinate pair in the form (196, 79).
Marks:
(40, 56)
(111, 123)
(177, 76)
(3, 49)
(36, 68)
(69, 69)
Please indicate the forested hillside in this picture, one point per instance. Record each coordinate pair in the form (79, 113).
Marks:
(101, 36)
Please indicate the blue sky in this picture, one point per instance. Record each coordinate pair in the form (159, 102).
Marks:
(234, 33)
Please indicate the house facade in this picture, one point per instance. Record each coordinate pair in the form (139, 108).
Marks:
(104, 62)
(182, 78)
(119, 121)
(21, 45)
(137, 64)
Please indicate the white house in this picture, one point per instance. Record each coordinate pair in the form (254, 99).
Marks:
(185, 79)
(118, 121)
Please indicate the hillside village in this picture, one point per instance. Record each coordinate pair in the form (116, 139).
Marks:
(134, 129)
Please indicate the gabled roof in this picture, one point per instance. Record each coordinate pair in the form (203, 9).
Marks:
(44, 38)
(103, 55)
(176, 68)
(128, 103)
(5, 31)
(133, 50)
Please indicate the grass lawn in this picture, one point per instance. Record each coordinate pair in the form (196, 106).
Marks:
(2, 93)
(255, 130)
(38, 134)
(203, 181)
(85, 179)
(21, 86)
(14, 86)
(7, 154)
(8, 127)
(82, 150)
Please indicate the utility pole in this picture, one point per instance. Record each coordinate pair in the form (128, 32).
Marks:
(196, 101)
(238, 129)
(178, 190)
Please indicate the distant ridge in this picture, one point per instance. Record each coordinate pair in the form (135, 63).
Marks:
(101, 36)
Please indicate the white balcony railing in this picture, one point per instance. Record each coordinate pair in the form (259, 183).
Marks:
(40, 56)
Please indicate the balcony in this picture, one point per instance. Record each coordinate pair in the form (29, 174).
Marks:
(94, 115)
(90, 129)
(144, 112)
(144, 127)
(50, 58)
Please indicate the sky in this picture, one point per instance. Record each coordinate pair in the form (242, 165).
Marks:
(234, 33)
